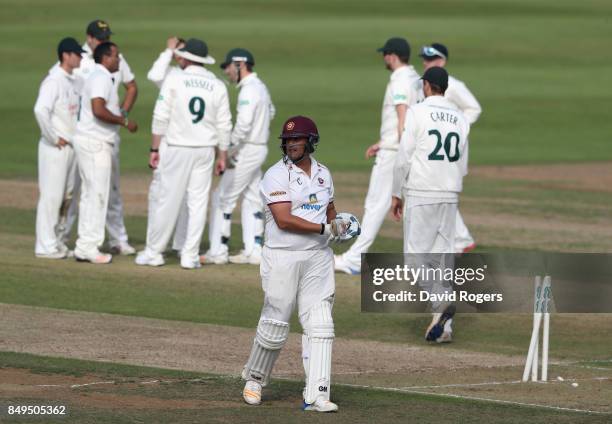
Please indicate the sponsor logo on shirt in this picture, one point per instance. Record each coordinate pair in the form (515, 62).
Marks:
(312, 198)
(309, 207)
(277, 193)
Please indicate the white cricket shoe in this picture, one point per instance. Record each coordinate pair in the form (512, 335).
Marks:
(190, 264)
(340, 265)
(254, 258)
(97, 259)
(320, 405)
(123, 249)
(252, 393)
(58, 254)
(446, 337)
(207, 259)
(144, 257)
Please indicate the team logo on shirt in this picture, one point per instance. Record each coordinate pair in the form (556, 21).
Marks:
(290, 125)
(321, 181)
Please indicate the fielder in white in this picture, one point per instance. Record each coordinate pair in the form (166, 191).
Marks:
(297, 266)
(402, 92)
(96, 133)
(247, 152)
(427, 180)
(161, 68)
(56, 112)
(192, 113)
(436, 55)
(98, 31)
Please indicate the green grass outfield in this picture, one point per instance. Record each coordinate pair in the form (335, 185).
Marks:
(541, 69)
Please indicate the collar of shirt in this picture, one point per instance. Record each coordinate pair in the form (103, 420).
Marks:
(438, 100)
(402, 69)
(88, 51)
(195, 69)
(314, 168)
(247, 79)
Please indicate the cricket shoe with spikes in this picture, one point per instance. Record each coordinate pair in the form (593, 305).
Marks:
(252, 392)
(320, 405)
(436, 328)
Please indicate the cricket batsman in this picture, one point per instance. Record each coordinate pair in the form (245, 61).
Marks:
(427, 180)
(297, 266)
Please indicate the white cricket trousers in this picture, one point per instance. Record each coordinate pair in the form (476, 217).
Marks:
(117, 233)
(305, 277)
(183, 172)
(56, 169)
(94, 159)
(463, 238)
(179, 236)
(243, 179)
(377, 204)
(430, 229)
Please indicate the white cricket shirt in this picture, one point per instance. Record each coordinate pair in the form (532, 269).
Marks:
(192, 110)
(309, 197)
(432, 159)
(254, 112)
(98, 85)
(161, 68)
(402, 89)
(458, 93)
(57, 106)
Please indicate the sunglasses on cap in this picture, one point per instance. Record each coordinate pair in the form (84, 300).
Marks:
(429, 51)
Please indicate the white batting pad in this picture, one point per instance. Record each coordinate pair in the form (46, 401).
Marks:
(270, 338)
(320, 334)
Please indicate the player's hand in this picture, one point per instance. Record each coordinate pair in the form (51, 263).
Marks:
(336, 229)
(220, 166)
(172, 43)
(61, 143)
(397, 208)
(132, 126)
(153, 160)
(372, 150)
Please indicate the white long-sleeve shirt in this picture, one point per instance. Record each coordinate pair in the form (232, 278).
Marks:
(193, 110)
(161, 68)
(431, 160)
(254, 112)
(402, 89)
(57, 106)
(458, 93)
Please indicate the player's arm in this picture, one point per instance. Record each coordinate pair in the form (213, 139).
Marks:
(161, 119)
(286, 221)
(160, 67)
(224, 128)
(401, 168)
(100, 111)
(43, 109)
(331, 212)
(400, 110)
(247, 102)
(131, 93)
(465, 101)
